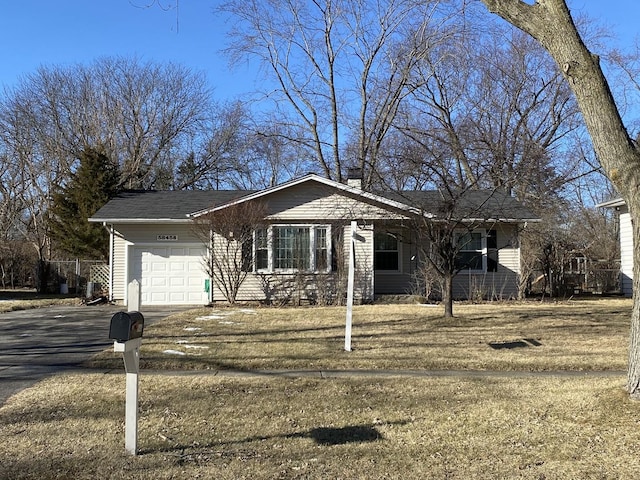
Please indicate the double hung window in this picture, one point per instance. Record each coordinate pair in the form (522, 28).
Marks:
(262, 249)
(387, 253)
(471, 251)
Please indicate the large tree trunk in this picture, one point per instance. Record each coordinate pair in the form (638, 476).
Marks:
(550, 22)
(633, 369)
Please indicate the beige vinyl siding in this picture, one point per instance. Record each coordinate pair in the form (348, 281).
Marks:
(508, 250)
(320, 203)
(119, 267)
(256, 287)
(626, 252)
(509, 259)
(275, 288)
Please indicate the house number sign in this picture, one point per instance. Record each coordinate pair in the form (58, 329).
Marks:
(167, 238)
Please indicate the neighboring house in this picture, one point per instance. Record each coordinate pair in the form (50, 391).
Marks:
(153, 241)
(626, 244)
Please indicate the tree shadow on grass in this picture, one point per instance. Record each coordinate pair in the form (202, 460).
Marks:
(323, 436)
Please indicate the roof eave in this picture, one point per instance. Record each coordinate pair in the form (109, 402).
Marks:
(140, 220)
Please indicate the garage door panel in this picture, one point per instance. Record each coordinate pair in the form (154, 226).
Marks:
(176, 267)
(170, 275)
(157, 266)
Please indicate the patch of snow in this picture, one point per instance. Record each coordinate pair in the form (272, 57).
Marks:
(228, 322)
(210, 317)
(197, 347)
(173, 352)
(192, 329)
(220, 315)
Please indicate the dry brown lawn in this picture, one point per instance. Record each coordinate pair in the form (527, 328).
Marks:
(572, 421)
(531, 336)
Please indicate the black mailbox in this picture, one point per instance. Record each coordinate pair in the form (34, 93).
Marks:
(126, 326)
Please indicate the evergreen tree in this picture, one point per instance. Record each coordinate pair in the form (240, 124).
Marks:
(90, 187)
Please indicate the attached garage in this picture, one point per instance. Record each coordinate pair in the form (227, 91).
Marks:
(152, 241)
(170, 275)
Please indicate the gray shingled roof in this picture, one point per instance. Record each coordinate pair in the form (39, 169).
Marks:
(162, 205)
(470, 204)
(176, 205)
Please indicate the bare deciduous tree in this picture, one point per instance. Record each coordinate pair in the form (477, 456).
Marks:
(492, 111)
(340, 69)
(551, 23)
(33, 174)
(143, 115)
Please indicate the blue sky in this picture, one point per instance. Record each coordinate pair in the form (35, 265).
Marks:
(65, 32)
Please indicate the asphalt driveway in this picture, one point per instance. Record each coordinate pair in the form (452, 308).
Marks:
(45, 341)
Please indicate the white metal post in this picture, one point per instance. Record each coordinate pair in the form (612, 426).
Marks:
(131, 354)
(350, 282)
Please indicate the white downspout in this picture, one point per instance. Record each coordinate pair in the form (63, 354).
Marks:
(111, 248)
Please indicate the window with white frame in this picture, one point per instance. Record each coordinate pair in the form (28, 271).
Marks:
(471, 253)
(292, 248)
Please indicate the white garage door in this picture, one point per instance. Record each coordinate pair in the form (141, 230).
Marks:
(170, 275)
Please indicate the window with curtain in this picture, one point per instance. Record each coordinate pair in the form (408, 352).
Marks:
(291, 248)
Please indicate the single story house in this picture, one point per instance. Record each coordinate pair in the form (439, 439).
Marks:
(152, 240)
(625, 232)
